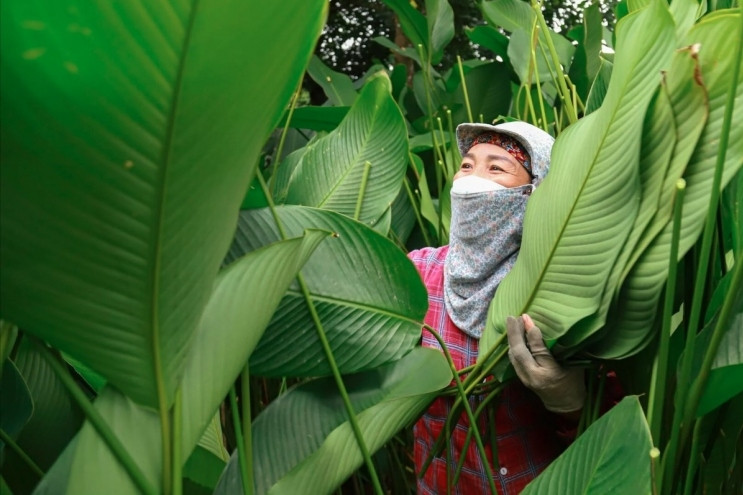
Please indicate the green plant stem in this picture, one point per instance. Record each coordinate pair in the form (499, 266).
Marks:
(658, 380)
(655, 476)
(564, 92)
(693, 459)
(246, 420)
(242, 460)
(329, 355)
(448, 167)
(176, 418)
(464, 88)
(416, 210)
(362, 190)
(453, 145)
(96, 420)
(21, 454)
(467, 408)
(284, 132)
(697, 387)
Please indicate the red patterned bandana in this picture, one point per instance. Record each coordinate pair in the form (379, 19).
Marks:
(508, 143)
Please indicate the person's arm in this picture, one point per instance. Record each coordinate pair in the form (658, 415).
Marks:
(562, 390)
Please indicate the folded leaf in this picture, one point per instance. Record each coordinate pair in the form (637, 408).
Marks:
(578, 218)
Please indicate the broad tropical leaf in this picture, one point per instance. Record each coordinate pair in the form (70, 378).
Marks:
(412, 22)
(316, 118)
(338, 87)
(238, 311)
(612, 456)
(577, 219)
(368, 295)
(672, 127)
(333, 172)
(127, 149)
(587, 61)
(637, 302)
(15, 392)
(440, 22)
(490, 38)
(303, 442)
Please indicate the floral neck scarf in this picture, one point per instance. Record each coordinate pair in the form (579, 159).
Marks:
(484, 241)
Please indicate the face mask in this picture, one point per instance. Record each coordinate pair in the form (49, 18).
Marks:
(473, 184)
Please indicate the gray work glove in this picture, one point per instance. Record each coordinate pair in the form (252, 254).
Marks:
(561, 390)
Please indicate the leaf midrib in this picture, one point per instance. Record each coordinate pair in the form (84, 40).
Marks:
(156, 253)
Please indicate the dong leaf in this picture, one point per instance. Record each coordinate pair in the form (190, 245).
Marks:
(303, 442)
(360, 165)
(245, 296)
(338, 87)
(440, 22)
(671, 130)
(612, 456)
(127, 149)
(412, 22)
(369, 297)
(490, 38)
(637, 301)
(578, 218)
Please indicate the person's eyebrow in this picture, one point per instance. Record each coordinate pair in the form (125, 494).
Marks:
(502, 158)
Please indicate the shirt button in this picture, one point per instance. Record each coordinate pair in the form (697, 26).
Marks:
(503, 471)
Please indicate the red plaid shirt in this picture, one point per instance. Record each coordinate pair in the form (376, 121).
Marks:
(527, 434)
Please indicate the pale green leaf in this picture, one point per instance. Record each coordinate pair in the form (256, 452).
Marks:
(440, 21)
(578, 218)
(638, 299)
(611, 456)
(303, 443)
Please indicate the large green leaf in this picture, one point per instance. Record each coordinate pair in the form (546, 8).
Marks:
(15, 392)
(331, 174)
(612, 456)
(519, 53)
(303, 442)
(637, 301)
(578, 218)
(338, 87)
(412, 22)
(316, 118)
(672, 127)
(368, 295)
(490, 38)
(54, 422)
(587, 61)
(440, 22)
(236, 316)
(127, 148)
(488, 92)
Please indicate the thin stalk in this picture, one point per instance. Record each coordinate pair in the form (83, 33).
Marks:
(659, 378)
(655, 475)
(453, 146)
(97, 421)
(697, 387)
(328, 354)
(416, 210)
(242, 460)
(539, 92)
(21, 454)
(447, 169)
(564, 92)
(467, 408)
(280, 149)
(177, 422)
(247, 426)
(464, 88)
(596, 410)
(362, 190)
(693, 459)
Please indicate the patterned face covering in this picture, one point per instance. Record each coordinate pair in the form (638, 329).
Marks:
(484, 241)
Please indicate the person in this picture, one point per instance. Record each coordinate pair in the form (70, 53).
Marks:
(535, 415)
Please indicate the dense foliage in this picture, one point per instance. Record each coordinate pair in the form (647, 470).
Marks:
(204, 286)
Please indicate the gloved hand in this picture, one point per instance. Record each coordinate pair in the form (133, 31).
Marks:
(561, 390)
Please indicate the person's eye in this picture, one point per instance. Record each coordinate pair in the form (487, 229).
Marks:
(495, 168)
(465, 166)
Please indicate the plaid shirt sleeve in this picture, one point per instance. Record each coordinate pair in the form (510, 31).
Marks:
(527, 434)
